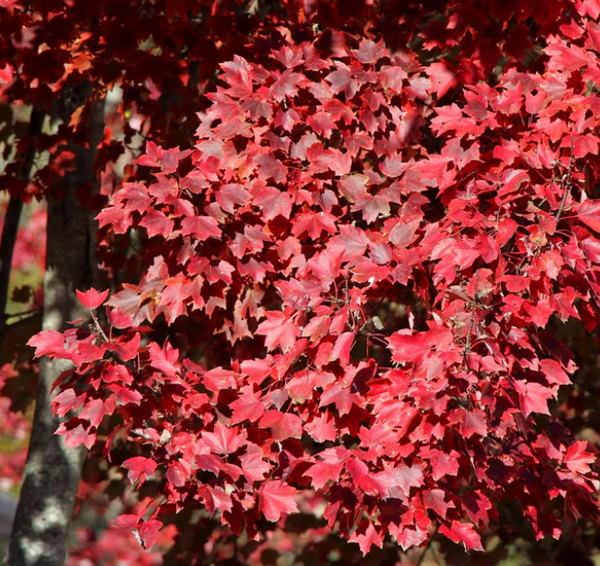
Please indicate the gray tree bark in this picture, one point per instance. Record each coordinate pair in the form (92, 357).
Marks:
(8, 506)
(13, 216)
(52, 472)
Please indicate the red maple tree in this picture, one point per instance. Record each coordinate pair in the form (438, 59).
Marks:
(346, 288)
(323, 194)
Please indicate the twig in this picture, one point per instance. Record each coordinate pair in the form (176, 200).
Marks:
(468, 344)
(435, 556)
(567, 185)
(469, 331)
(24, 313)
(427, 547)
(99, 329)
(27, 318)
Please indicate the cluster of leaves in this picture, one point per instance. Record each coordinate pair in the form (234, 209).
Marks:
(108, 545)
(162, 54)
(112, 547)
(62, 57)
(327, 190)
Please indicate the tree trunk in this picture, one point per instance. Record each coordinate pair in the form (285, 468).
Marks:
(8, 506)
(52, 472)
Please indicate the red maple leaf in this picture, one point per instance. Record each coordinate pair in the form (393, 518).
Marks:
(92, 299)
(589, 214)
(578, 459)
(462, 532)
(282, 425)
(278, 330)
(436, 499)
(139, 468)
(276, 499)
(370, 537)
(224, 440)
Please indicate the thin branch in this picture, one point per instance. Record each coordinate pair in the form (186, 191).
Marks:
(12, 218)
(27, 318)
(468, 344)
(427, 547)
(436, 556)
(98, 328)
(567, 184)
(24, 313)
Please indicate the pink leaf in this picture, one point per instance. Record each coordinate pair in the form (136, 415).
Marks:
(139, 468)
(589, 214)
(148, 533)
(47, 342)
(367, 539)
(463, 532)
(577, 459)
(555, 375)
(276, 499)
(92, 299)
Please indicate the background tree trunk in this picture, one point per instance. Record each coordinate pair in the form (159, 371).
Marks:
(8, 507)
(53, 471)
(13, 216)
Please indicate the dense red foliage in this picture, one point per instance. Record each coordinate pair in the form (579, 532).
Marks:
(349, 285)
